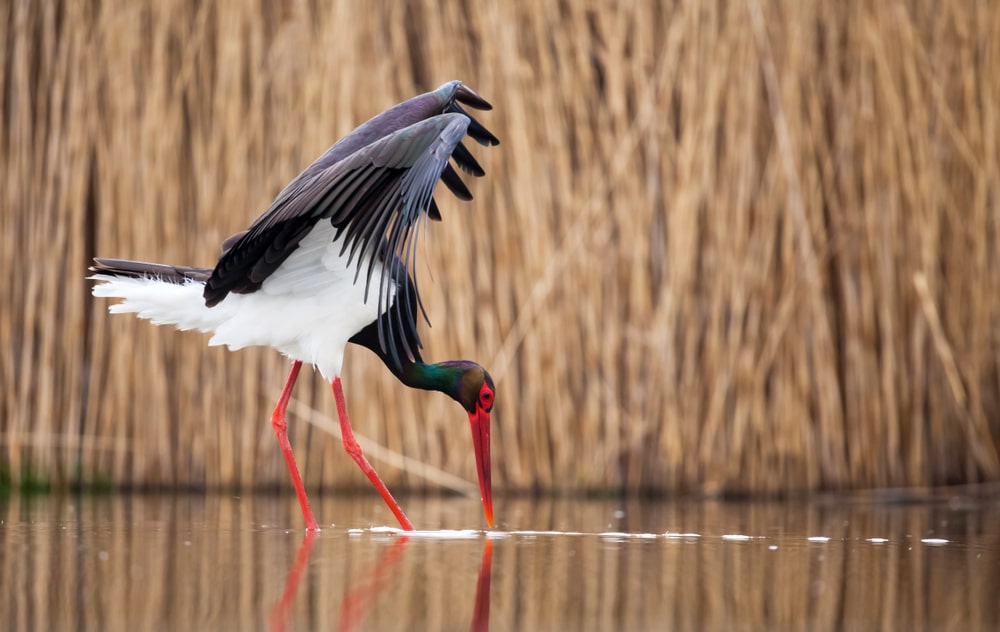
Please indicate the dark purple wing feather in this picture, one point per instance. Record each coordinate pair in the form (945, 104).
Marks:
(251, 256)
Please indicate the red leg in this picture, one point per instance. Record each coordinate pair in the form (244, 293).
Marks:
(281, 429)
(352, 447)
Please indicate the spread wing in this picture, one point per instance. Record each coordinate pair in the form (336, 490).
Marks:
(375, 198)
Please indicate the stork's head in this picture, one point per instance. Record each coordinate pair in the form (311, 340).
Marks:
(474, 390)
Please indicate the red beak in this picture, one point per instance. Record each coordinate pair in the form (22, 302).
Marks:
(480, 422)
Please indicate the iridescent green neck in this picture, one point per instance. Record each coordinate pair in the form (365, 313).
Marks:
(460, 380)
(443, 376)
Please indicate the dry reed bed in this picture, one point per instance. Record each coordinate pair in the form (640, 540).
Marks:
(749, 247)
(126, 575)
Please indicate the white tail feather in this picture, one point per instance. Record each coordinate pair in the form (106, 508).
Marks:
(161, 302)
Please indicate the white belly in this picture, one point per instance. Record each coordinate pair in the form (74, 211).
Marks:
(307, 309)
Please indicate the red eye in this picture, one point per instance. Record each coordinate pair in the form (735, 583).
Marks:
(486, 397)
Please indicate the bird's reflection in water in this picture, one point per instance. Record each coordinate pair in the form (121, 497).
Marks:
(368, 585)
(281, 612)
(481, 609)
(371, 583)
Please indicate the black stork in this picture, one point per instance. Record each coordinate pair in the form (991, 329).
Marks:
(330, 263)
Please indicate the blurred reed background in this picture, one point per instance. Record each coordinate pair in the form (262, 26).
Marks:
(743, 247)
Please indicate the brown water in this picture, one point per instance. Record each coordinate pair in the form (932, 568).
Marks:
(244, 563)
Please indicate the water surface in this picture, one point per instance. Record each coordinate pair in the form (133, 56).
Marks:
(244, 563)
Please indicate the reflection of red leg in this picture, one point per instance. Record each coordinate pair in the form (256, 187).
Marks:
(481, 611)
(352, 447)
(281, 612)
(281, 429)
(366, 587)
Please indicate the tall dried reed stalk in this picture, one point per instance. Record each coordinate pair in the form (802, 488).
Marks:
(735, 247)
